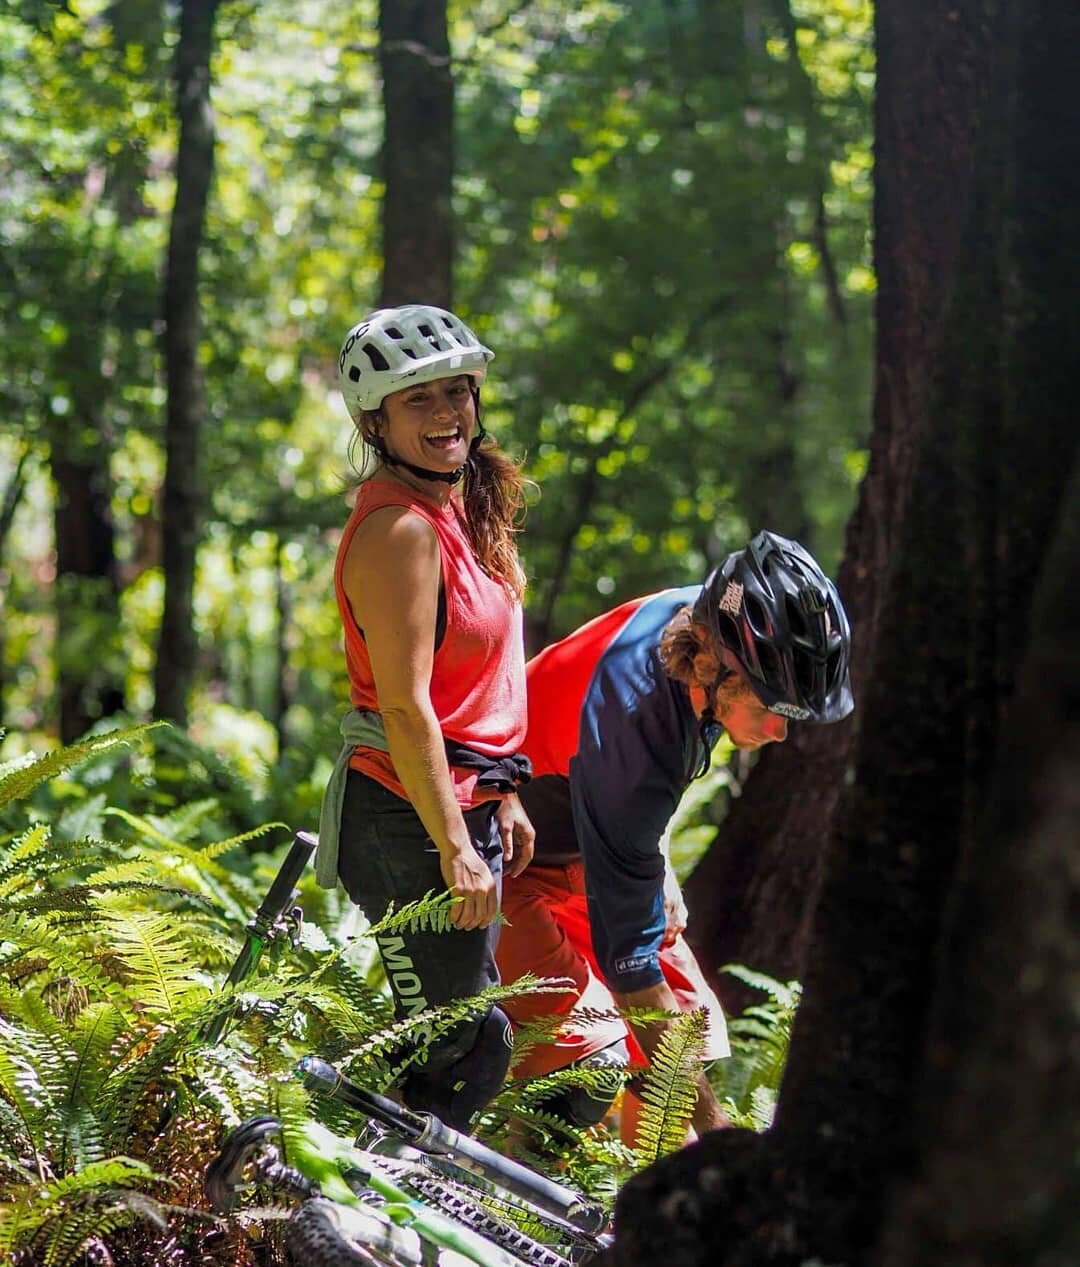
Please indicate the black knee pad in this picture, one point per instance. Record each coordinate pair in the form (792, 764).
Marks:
(462, 1073)
(586, 1105)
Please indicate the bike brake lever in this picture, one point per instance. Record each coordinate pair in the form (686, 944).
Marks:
(222, 1181)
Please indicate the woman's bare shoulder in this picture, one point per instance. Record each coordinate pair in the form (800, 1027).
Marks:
(388, 540)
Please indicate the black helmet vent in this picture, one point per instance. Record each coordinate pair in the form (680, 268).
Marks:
(756, 614)
(378, 361)
(769, 659)
(804, 670)
(796, 619)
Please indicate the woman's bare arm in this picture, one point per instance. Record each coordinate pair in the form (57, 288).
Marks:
(391, 578)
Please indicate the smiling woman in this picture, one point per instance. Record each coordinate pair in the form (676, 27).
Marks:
(428, 584)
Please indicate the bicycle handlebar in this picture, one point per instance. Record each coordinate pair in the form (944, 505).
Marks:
(264, 924)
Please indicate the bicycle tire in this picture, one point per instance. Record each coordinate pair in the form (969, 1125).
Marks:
(491, 1216)
(324, 1234)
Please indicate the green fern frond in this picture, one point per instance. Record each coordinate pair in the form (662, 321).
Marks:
(15, 1138)
(787, 994)
(763, 1107)
(51, 1068)
(32, 844)
(393, 1050)
(198, 864)
(40, 1215)
(669, 1093)
(18, 780)
(749, 1079)
(605, 1080)
(94, 1037)
(22, 1090)
(146, 1063)
(83, 819)
(428, 914)
(156, 959)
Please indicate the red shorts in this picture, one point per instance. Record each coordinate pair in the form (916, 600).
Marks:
(547, 934)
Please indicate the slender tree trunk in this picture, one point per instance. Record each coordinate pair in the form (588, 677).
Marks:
(10, 496)
(182, 499)
(87, 596)
(418, 153)
(87, 589)
(936, 882)
(283, 606)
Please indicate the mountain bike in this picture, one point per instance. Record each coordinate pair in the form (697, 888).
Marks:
(409, 1191)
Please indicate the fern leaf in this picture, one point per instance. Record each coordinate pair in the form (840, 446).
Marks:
(18, 782)
(669, 1093)
(430, 913)
(157, 961)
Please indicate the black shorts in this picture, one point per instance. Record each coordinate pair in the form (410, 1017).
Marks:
(387, 855)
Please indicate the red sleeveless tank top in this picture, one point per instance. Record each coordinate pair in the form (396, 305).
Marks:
(478, 672)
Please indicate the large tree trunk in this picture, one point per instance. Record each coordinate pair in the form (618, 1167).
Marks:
(928, 836)
(997, 1173)
(417, 153)
(182, 498)
(752, 895)
(997, 1170)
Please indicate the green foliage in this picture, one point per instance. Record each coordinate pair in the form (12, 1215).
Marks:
(662, 212)
(748, 1082)
(60, 1217)
(668, 1092)
(19, 778)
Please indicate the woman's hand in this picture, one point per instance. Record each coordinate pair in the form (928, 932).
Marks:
(518, 836)
(467, 876)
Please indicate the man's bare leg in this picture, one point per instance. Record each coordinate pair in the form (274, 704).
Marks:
(707, 1115)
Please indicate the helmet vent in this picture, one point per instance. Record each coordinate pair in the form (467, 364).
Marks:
(804, 670)
(795, 617)
(436, 340)
(769, 661)
(354, 374)
(755, 612)
(394, 332)
(378, 361)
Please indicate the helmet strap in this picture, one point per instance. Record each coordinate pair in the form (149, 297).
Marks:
(421, 472)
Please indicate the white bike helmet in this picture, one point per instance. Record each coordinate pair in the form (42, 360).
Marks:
(395, 347)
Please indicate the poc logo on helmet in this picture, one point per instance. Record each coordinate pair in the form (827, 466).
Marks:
(358, 333)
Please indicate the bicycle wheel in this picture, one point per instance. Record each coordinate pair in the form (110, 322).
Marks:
(525, 1233)
(324, 1234)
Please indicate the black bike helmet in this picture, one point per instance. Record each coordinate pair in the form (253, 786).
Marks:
(780, 623)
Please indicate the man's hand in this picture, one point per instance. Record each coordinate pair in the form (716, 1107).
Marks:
(518, 836)
(675, 913)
